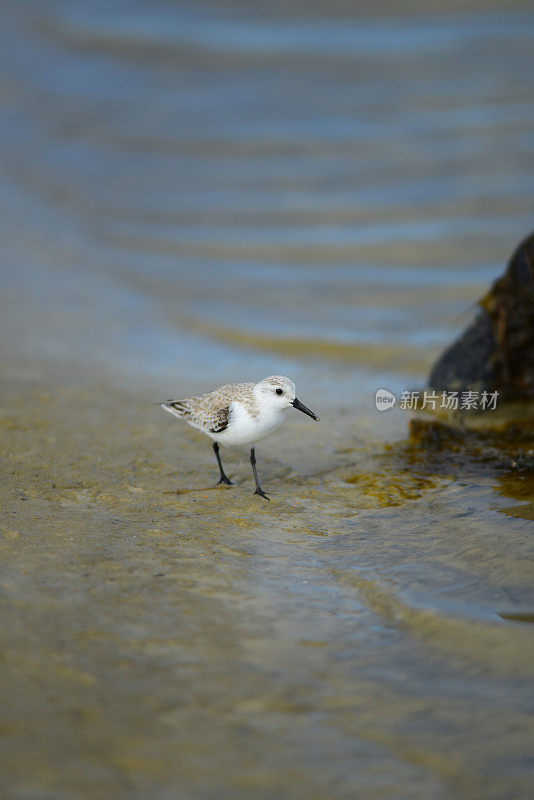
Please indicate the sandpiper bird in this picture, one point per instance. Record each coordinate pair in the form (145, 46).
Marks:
(240, 414)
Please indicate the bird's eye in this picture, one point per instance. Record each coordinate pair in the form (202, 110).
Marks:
(279, 391)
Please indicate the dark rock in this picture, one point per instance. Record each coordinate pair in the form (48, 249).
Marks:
(496, 353)
(507, 448)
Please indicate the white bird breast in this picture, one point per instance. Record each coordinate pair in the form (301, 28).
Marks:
(245, 428)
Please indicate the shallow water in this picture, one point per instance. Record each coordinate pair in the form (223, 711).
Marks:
(199, 193)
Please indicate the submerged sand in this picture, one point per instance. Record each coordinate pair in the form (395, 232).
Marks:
(164, 638)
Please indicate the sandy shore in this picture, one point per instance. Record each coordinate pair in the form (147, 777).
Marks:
(165, 638)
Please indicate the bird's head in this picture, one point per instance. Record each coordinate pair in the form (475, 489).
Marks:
(279, 392)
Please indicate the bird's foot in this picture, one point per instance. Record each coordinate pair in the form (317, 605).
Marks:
(224, 479)
(261, 493)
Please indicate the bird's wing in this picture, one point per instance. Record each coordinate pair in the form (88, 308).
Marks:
(178, 408)
(213, 411)
(210, 412)
(219, 420)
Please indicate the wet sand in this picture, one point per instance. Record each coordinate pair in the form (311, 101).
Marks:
(166, 638)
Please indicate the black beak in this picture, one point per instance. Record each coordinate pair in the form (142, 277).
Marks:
(297, 404)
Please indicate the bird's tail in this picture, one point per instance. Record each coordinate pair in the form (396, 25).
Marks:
(176, 407)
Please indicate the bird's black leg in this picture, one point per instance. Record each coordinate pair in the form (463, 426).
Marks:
(223, 477)
(258, 489)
